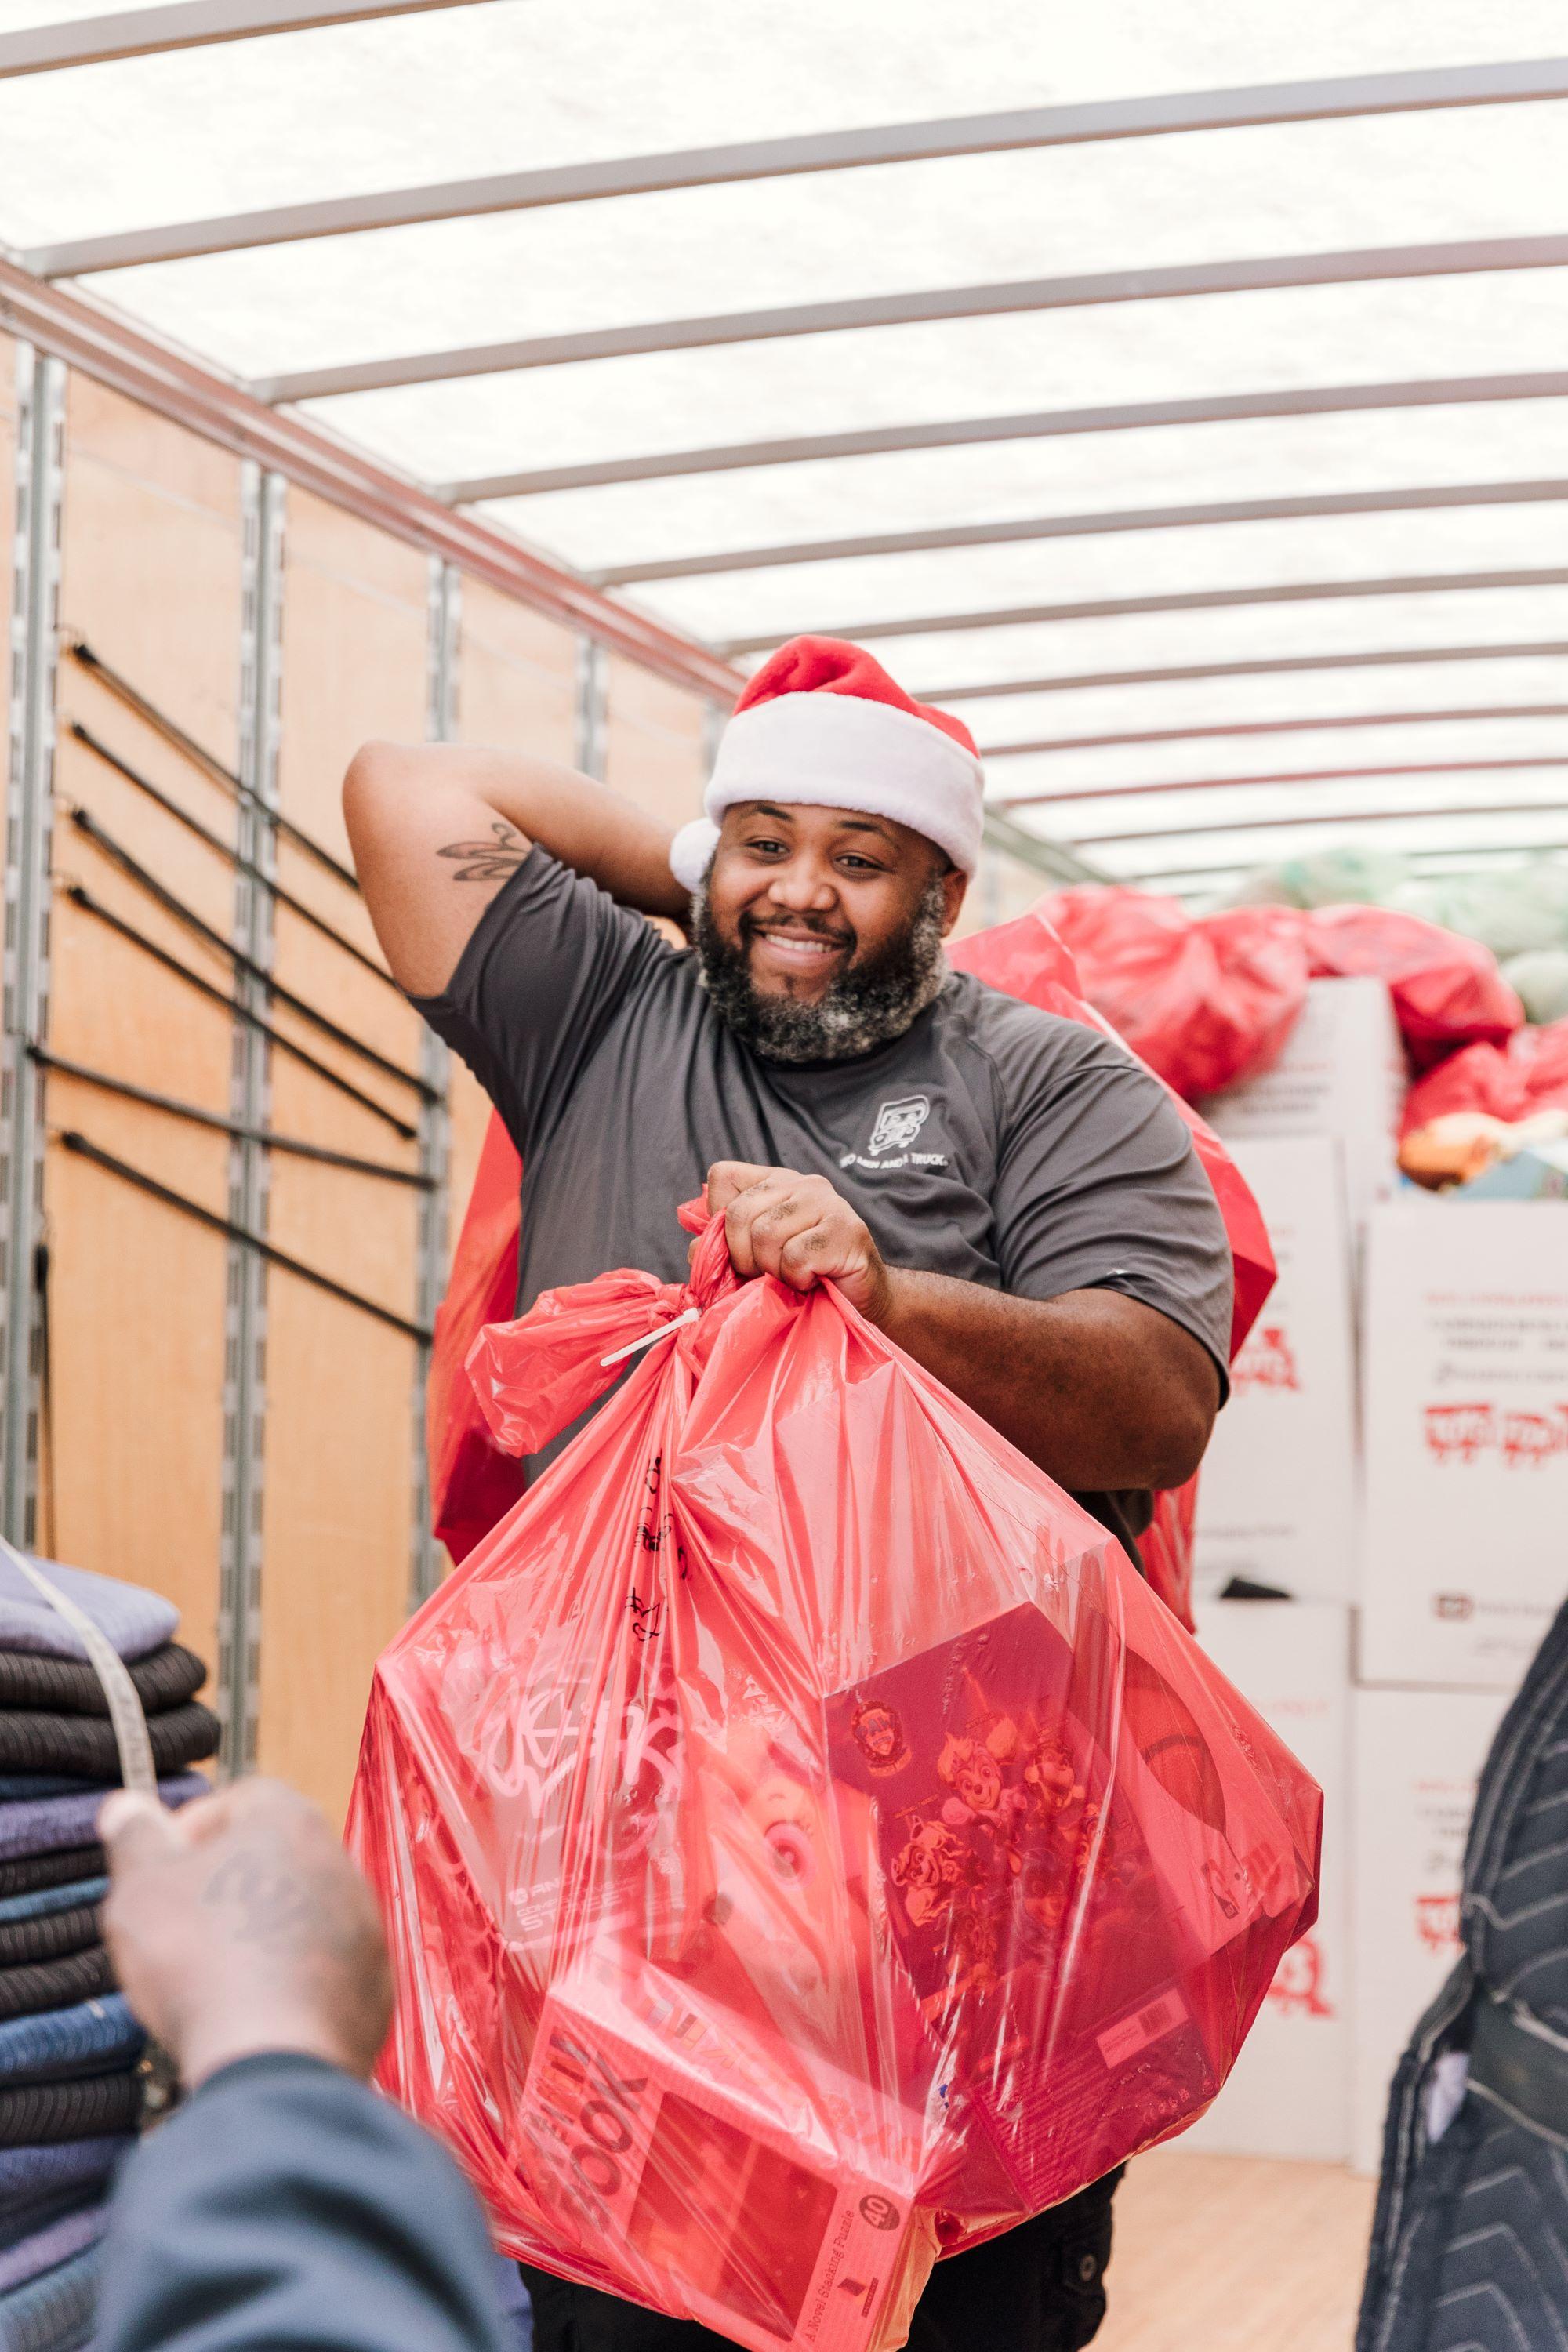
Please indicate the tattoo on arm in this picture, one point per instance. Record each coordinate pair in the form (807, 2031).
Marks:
(487, 861)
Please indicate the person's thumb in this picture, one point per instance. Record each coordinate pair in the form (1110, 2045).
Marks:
(135, 1829)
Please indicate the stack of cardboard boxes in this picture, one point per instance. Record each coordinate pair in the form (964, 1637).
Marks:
(1394, 1460)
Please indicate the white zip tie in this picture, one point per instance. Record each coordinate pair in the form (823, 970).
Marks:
(661, 1332)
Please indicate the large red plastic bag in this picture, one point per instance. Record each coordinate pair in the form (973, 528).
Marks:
(1528, 1074)
(1447, 991)
(1205, 1001)
(804, 1841)
(1028, 959)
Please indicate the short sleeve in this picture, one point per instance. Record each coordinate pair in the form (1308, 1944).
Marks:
(1099, 1189)
(551, 961)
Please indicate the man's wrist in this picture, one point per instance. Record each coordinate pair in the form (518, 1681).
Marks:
(887, 1295)
(208, 2047)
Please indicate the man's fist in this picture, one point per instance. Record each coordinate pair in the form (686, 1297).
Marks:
(239, 1925)
(800, 1229)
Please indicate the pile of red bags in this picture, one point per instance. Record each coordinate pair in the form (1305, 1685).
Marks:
(1209, 999)
(1446, 991)
(1510, 1082)
(1028, 958)
(807, 1845)
(1204, 1001)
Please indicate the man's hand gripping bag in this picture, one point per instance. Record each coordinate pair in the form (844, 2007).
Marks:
(806, 1846)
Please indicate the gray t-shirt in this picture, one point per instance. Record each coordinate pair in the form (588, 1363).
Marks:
(993, 1143)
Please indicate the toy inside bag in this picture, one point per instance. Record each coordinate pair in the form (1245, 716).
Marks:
(807, 1847)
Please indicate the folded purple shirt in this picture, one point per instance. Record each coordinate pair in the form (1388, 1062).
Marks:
(134, 1619)
(47, 1822)
(55, 2242)
(51, 2167)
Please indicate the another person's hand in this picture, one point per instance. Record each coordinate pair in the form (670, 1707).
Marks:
(239, 1926)
(798, 1228)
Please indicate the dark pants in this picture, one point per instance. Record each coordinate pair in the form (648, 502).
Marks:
(1039, 2288)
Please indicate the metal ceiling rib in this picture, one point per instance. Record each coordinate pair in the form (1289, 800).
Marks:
(877, 441)
(185, 25)
(1271, 665)
(1347, 721)
(1089, 526)
(1195, 600)
(1375, 265)
(1304, 816)
(1292, 776)
(1030, 127)
(1194, 879)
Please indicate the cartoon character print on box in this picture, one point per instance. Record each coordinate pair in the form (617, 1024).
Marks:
(1017, 1887)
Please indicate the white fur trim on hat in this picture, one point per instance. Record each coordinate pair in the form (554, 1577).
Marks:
(692, 852)
(842, 750)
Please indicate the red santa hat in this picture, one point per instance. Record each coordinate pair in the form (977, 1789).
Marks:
(823, 724)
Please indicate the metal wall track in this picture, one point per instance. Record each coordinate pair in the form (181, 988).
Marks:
(264, 497)
(435, 1121)
(35, 630)
(591, 711)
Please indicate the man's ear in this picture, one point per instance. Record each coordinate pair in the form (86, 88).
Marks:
(954, 883)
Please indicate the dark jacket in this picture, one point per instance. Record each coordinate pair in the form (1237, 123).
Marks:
(1470, 2246)
(287, 2206)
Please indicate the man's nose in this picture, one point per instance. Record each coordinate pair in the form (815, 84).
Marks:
(804, 887)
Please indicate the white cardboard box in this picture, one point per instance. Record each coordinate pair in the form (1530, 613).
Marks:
(1466, 1387)
(1289, 2092)
(1277, 1497)
(1417, 1756)
(1341, 1074)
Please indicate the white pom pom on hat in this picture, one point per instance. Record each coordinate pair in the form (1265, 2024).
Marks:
(823, 725)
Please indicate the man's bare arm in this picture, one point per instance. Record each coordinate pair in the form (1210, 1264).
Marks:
(436, 831)
(1103, 1392)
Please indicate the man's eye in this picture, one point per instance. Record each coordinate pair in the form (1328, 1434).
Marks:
(859, 864)
(766, 847)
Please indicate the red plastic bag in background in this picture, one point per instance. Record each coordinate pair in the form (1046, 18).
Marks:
(471, 1484)
(1204, 1001)
(805, 1843)
(1026, 959)
(1448, 991)
(1529, 1073)
(1168, 1549)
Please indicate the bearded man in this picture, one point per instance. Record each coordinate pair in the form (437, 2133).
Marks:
(1009, 1196)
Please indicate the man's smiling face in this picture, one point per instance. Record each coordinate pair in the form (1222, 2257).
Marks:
(819, 930)
(807, 896)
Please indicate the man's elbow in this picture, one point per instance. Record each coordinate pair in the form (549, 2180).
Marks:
(375, 767)
(1174, 1439)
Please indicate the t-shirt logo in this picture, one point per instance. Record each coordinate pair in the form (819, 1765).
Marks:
(898, 1123)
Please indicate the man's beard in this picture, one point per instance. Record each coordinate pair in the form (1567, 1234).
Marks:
(863, 1007)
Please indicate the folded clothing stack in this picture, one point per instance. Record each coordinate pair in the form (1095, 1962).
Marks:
(69, 2049)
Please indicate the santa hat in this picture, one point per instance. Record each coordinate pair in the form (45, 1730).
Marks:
(823, 724)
